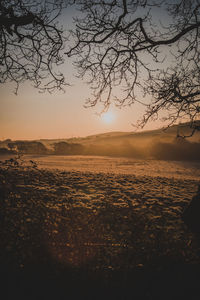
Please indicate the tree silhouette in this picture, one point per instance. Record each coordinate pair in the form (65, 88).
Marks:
(127, 49)
(148, 46)
(31, 43)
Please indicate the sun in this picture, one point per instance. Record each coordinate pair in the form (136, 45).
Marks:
(108, 117)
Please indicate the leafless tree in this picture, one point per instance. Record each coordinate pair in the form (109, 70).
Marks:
(31, 43)
(128, 50)
(148, 46)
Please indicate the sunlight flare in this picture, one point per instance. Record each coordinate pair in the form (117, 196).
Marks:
(108, 117)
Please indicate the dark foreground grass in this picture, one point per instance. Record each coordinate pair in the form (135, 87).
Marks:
(74, 235)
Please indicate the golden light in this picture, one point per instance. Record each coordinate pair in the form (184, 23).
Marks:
(108, 117)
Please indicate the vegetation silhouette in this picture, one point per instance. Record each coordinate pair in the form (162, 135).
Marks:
(191, 213)
(65, 148)
(179, 149)
(31, 43)
(145, 46)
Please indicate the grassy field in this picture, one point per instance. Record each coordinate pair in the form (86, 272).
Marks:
(95, 235)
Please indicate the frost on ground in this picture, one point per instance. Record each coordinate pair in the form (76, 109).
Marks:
(97, 221)
(119, 165)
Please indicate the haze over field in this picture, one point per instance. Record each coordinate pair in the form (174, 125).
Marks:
(154, 144)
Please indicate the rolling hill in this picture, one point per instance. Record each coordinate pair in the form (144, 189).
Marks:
(156, 144)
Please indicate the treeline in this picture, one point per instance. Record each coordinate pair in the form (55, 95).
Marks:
(35, 147)
(24, 147)
(179, 149)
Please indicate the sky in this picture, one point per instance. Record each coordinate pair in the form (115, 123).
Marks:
(31, 115)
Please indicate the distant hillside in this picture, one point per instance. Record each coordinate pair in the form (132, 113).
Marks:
(152, 144)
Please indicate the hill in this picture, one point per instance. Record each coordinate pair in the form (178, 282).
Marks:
(157, 144)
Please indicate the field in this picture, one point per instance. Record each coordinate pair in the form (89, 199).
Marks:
(97, 228)
(123, 166)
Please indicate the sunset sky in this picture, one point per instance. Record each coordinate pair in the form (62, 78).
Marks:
(32, 115)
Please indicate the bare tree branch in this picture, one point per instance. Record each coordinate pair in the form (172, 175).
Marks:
(31, 43)
(123, 43)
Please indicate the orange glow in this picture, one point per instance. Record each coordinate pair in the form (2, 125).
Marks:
(32, 116)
